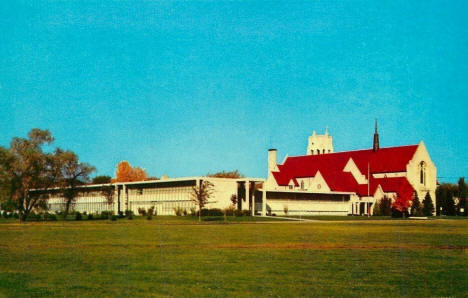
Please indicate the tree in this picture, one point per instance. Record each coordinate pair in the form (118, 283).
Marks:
(428, 206)
(200, 195)
(234, 200)
(227, 174)
(126, 173)
(27, 169)
(73, 174)
(383, 207)
(101, 179)
(416, 208)
(108, 192)
(444, 199)
(5, 178)
(462, 194)
(400, 207)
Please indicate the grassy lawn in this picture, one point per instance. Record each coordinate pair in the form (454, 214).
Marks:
(170, 256)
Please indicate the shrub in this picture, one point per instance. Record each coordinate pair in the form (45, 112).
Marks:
(16, 215)
(179, 211)
(114, 217)
(78, 216)
(285, 209)
(142, 211)
(6, 214)
(130, 216)
(185, 212)
(50, 217)
(149, 217)
(128, 212)
(90, 216)
(32, 216)
(121, 214)
(193, 211)
(150, 211)
(106, 214)
(212, 212)
(230, 210)
(399, 214)
(242, 213)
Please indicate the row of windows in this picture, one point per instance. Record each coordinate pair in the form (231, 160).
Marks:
(318, 151)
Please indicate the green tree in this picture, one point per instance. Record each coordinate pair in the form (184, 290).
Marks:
(28, 169)
(6, 160)
(200, 195)
(383, 207)
(416, 208)
(462, 194)
(103, 179)
(444, 199)
(227, 174)
(428, 206)
(73, 174)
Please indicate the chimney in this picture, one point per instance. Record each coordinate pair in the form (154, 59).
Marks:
(271, 160)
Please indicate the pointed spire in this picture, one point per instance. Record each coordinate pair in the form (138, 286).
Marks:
(376, 146)
(326, 130)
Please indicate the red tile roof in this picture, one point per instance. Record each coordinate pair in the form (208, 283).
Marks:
(331, 165)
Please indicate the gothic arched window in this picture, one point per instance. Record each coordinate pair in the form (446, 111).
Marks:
(422, 173)
(302, 184)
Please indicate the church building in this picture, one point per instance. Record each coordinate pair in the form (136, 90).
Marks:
(324, 182)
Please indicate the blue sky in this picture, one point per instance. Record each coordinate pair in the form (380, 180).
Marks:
(189, 87)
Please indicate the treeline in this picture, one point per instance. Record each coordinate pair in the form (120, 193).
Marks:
(29, 168)
(451, 199)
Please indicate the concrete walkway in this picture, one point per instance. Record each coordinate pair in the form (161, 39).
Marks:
(294, 218)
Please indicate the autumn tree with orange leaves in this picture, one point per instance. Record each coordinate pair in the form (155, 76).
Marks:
(126, 173)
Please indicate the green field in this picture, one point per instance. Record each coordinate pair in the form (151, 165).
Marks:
(170, 256)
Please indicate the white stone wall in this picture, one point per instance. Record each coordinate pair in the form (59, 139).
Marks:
(222, 192)
(91, 202)
(163, 199)
(320, 144)
(308, 207)
(413, 174)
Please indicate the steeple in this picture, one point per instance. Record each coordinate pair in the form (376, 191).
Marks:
(375, 146)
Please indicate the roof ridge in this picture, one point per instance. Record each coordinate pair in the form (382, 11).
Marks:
(356, 150)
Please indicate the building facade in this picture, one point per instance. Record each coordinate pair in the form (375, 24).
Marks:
(164, 195)
(322, 182)
(346, 183)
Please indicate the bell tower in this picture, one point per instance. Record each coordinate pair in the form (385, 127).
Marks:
(320, 144)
